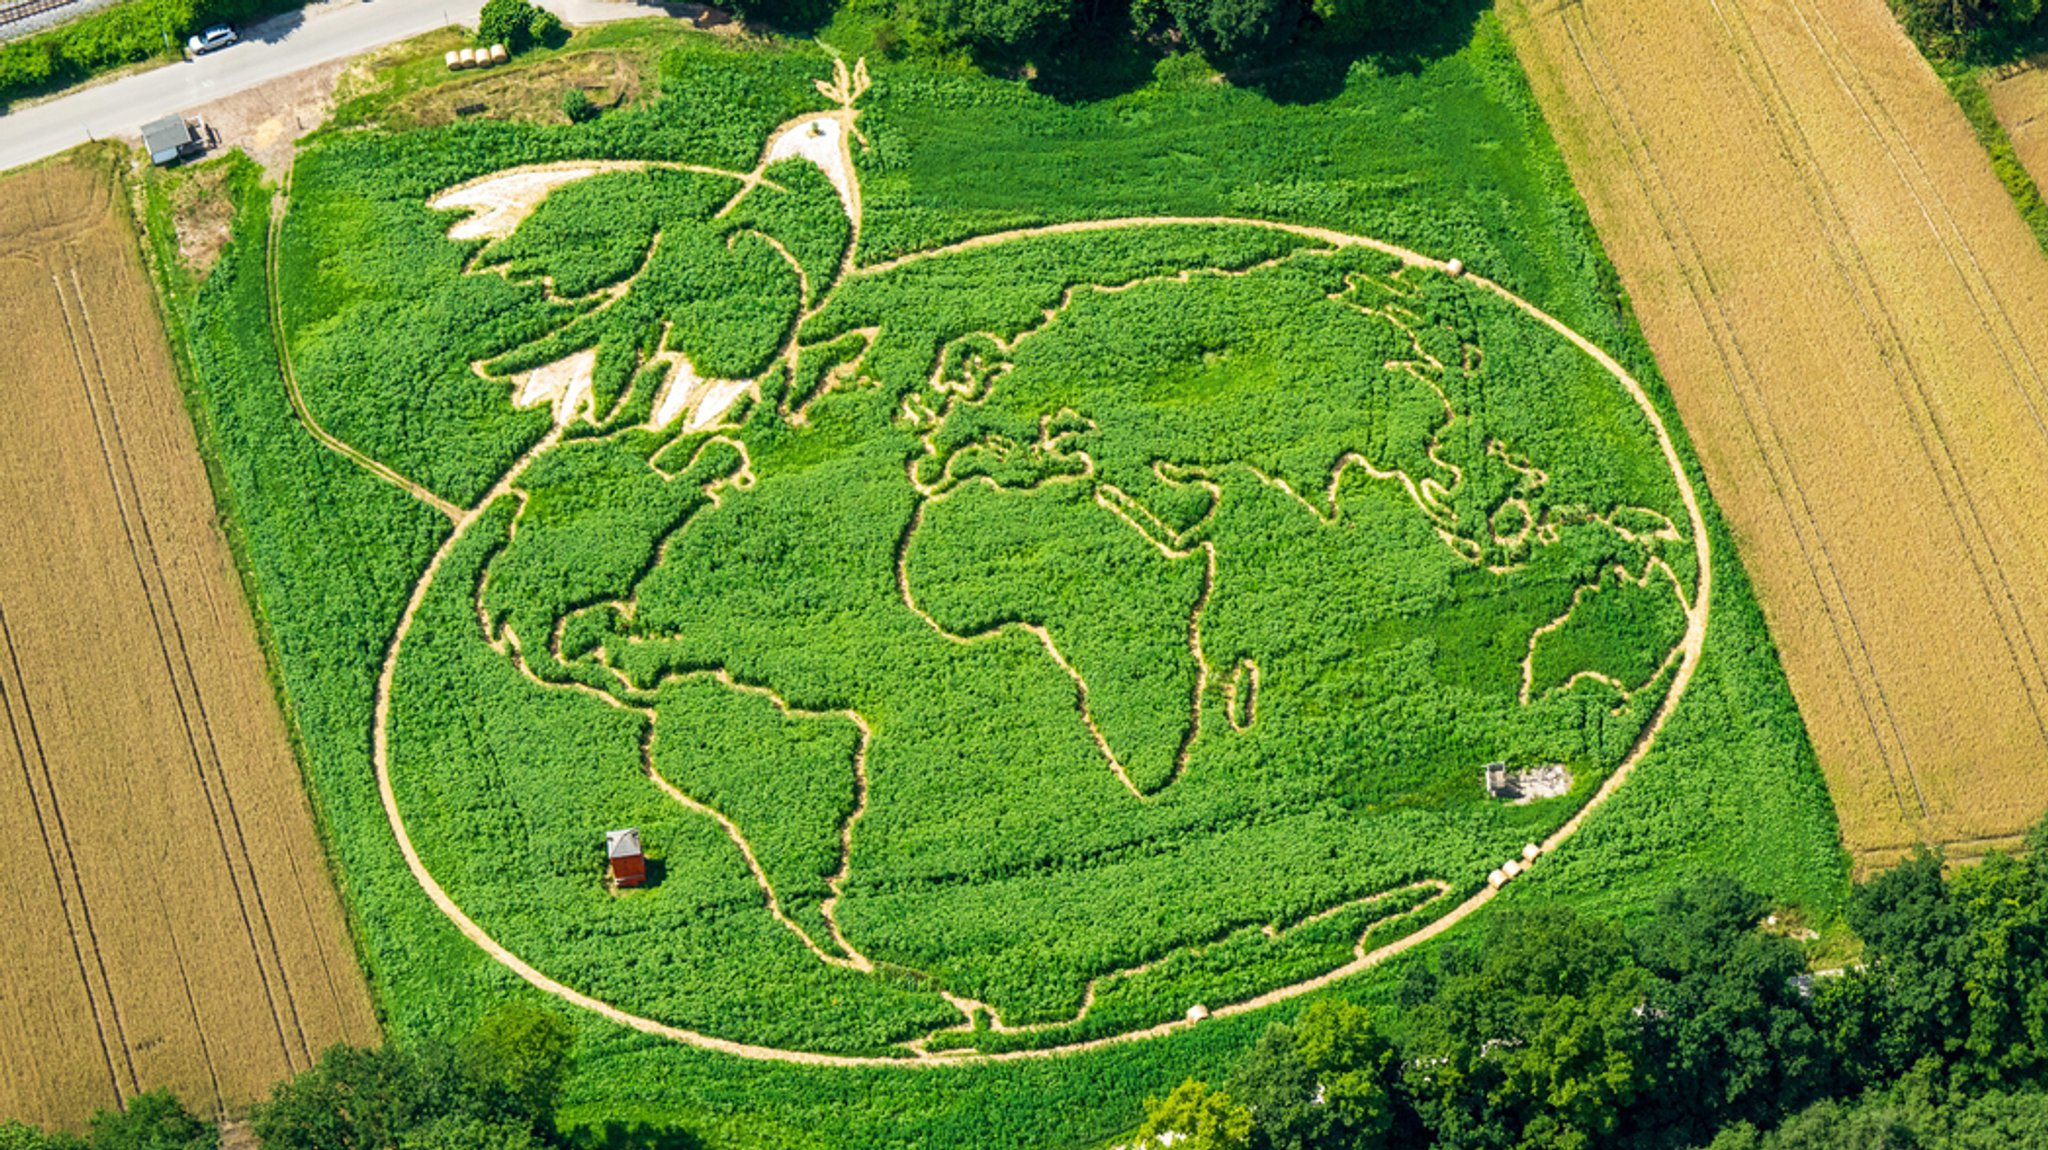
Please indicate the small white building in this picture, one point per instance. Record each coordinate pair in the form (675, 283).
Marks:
(171, 139)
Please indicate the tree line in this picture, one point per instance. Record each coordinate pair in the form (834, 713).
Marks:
(1973, 31)
(1694, 1028)
(494, 1089)
(1230, 33)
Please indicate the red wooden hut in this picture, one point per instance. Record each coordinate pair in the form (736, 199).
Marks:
(629, 866)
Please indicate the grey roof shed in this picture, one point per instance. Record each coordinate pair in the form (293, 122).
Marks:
(169, 139)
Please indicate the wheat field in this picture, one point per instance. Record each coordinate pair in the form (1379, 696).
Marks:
(170, 921)
(1846, 307)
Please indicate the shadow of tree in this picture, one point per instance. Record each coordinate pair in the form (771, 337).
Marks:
(1108, 57)
(276, 29)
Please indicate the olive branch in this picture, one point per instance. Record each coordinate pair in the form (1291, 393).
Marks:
(845, 87)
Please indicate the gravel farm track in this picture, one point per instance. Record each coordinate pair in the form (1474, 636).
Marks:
(168, 915)
(1848, 310)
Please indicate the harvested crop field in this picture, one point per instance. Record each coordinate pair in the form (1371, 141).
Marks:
(169, 920)
(1846, 307)
(2019, 97)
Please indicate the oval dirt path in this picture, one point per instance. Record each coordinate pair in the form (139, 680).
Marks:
(1690, 650)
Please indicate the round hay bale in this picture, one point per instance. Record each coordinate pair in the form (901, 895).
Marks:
(469, 57)
(498, 54)
(1497, 879)
(1530, 852)
(454, 59)
(1511, 868)
(1197, 1012)
(1456, 267)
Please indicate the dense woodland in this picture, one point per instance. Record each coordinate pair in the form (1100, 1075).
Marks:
(1697, 1026)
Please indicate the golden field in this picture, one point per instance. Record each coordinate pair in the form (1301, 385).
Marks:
(1847, 309)
(169, 917)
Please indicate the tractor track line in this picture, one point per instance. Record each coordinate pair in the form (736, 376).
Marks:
(239, 848)
(298, 399)
(170, 932)
(1983, 297)
(197, 700)
(15, 724)
(1952, 240)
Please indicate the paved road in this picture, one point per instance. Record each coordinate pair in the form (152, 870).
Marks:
(278, 47)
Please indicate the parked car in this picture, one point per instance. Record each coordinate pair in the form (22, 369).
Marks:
(212, 40)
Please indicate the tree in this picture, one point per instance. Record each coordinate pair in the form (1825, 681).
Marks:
(507, 22)
(546, 28)
(16, 1136)
(1001, 26)
(1909, 1000)
(518, 1058)
(790, 15)
(1278, 1087)
(1324, 1082)
(1358, 19)
(1725, 1031)
(153, 1121)
(577, 106)
(357, 1100)
(495, 1090)
(2003, 952)
(1226, 31)
(1966, 28)
(1205, 1119)
(465, 1132)
(1535, 1041)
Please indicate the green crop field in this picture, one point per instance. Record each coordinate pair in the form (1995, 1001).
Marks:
(1027, 568)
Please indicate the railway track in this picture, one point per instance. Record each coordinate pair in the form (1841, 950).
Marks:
(15, 11)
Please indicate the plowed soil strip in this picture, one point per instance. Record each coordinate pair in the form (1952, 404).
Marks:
(170, 919)
(1837, 289)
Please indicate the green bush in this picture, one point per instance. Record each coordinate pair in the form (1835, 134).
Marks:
(545, 29)
(577, 106)
(152, 1120)
(507, 22)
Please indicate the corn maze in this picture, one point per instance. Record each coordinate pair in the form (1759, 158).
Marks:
(1047, 639)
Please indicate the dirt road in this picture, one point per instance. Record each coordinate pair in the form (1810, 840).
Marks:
(1848, 310)
(278, 47)
(168, 915)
